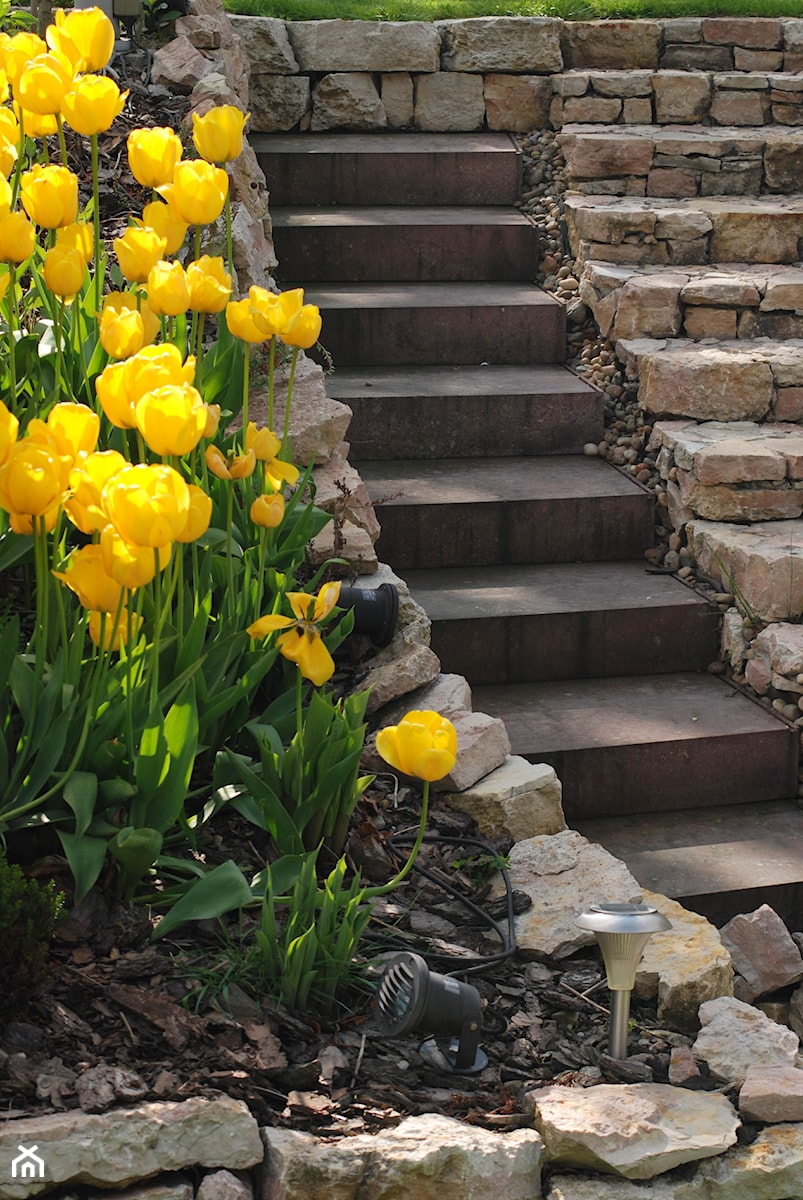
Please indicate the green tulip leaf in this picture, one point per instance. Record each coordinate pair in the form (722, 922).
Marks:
(223, 890)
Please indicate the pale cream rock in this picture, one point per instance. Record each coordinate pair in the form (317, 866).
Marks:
(449, 102)
(340, 491)
(350, 542)
(347, 100)
(772, 1094)
(396, 671)
(681, 97)
(707, 383)
(783, 291)
(447, 694)
(318, 423)
(712, 288)
(510, 44)
(763, 953)
(482, 746)
(223, 1185)
(649, 306)
(396, 90)
(735, 1036)
(781, 643)
(269, 48)
(517, 102)
(337, 45)
(519, 798)
(179, 65)
(764, 561)
(278, 102)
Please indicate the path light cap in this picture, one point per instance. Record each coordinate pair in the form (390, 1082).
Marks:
(623, 931)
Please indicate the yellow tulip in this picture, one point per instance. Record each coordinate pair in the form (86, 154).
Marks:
(43, 84)
(61, 44)
(9, 428)
(268, 510)
(5, 279)
(213, 412)
(302, 643)
(171, 419)
(137, 251)
(102, 629)
(64, 271)
(29, 523)
(168, 293)
(303, 329)
(91, 32)
(18, 51)
(148, 505)
(114, 397)
(92, 104)
(87, 479)
(268, 312)
(122, 331)
(8, 156)
(199, 515)
(17, 237)
(199, 191)
(153, 154)
(85, 574)
(164, 221)
(36, 125)
(155, 367)
(240, 320)
(125, 302)
(50, 195)
(266, 447)
(423, 744)
(236, 466)
(132, 566)
(209, 283)
(33, 479)
(78, 236)
(218, 136)
(74, 428)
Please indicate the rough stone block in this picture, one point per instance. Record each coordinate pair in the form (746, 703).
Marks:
(482, 746)
(649, 306)
(449, 102)
(735, 1036)
(739, 108)
(619, 44)
(756, 32)
(517, 102)
(519, 798)
(700, 322)
(771, 1094)
(269, 46)
(511, 44)
(338, 45)
(763, 952)
(681, 97)
(396, 90)
(278, 102)
(347, 100)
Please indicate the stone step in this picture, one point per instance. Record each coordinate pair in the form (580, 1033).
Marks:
(647, 230)
(682, 161)
(718, 861)
(728, 301)
(405, 244)
(439, 323)
(648, 743)
(489, 512)
(389, 168)
(467, 411)
(761, 563)
(564, 621)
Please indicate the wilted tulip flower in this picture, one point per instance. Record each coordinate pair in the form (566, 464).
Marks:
(302, 643)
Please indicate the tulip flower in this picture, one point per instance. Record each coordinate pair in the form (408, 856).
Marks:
(64, 271)
(50, 195)
(92, 104)
(153, 155)
(171, 419)
(199, 515)
(33, 479)
(209, 283)
(74, 428)
(122, 332)
(17, 237)
(168, 292)
(90, 31)
(85, 574)
(132, 566)
(147, 505)
(271, 312)
(303, 329)
(235, 466)
(77, 236)
(266, 447)
(199, 191)
(155, 367)
(164, 221)
(218, 136)
(110, 636)
(18, 51)
(87, 479)
(240, 320)
(114, 397)
(43, 84)
(302, 643)
(9, 428)
(126, 302)
(36, 125)
(213, 412)
(423, 744)
(138, 250)
(268, 510)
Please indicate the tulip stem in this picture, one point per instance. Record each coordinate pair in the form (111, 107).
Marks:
(96, 222)
(59, 323)
(62, 143)
(246, 373)
(371, 893)
(229, 560)
(300, 735)
(157, 628)
(15, 187)
(13, 323)
(289, 397)
(271, 368)
(229, 251)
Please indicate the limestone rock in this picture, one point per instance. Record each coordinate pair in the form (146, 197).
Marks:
(634, 1130)
(510, 44)
(650, 306)
(269, 46)
(684, 966)
(517, 102)
(252, 251)
(337, 45)
(168, 1187)
(707, 383)
(519, 798)
(770, 1167)
(619, 44)
(278, 102)
(765, 562)
(178, 65)
(763, 953)
(347, 100)
(349, 542)
(397, 98)
(411, 667)
(206, 31)
(339, 490)
(449, 102)
(482, 746)
(735, 1036)
(581, 1186)
(563, 873)
(423, 1158)
(318, 423)
(128, 1145)
(772, 1094)
(222, 1185)
(447, 694)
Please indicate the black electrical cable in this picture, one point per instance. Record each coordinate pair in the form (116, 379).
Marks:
(507, 937)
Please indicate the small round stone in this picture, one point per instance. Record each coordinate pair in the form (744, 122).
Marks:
(591, 449)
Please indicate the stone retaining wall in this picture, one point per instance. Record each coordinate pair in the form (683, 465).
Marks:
(518, 73)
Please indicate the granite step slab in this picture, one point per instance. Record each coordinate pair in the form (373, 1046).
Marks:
(486, 512)
(555, 621)
(389, 168)
(719, 861)
(459, 411)
(405, 244)
(439, 323)
(635, 744)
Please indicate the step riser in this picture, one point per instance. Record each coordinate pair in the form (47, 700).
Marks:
(442, 336)
(481, 426)
(529, 531)
(619, 780)
(397, 178)
(411, 253)
(577, 645)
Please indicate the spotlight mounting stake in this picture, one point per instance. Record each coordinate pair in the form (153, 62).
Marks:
(623, 931)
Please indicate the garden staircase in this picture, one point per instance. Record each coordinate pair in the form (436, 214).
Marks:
(527, 555)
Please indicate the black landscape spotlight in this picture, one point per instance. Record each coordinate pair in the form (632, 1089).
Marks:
(376, 610)
(623, 931)
(411, 997)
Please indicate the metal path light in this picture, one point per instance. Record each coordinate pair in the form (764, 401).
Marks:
(410, 997)
(376, 610)
(623, 931)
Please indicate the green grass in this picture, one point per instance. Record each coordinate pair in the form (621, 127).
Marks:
(570, 10)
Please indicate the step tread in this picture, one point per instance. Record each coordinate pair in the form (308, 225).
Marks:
(384, 216)
(429, 295)
(463, 594)
(383, 143)
(583, 714)
(674, 135)
(485, 481)
(708, 850)
(790, 204)
(435, 382)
